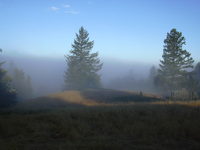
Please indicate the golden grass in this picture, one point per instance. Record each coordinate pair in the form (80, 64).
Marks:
(87, 121)
(82, 98)
(187, 103)
(56, 100)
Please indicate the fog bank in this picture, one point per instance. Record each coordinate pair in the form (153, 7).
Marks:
(47, 73)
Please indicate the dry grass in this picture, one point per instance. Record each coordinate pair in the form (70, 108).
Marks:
(187, 103)
(99, 125)
(84, 98)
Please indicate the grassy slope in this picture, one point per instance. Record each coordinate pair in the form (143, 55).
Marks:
(103, 125)
(83, 98)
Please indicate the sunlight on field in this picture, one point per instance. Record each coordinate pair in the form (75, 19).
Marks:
(187, 103)
(56, 100)
(70, 99)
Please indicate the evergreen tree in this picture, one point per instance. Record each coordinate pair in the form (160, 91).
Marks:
(197, 71)
(1, 63)
(82, 65)
(22, 85)
(29, 89)
(11, 68)
(150, 81)
(127, 82)
(7, 94)
(193, 83)
(173, 74)
(152, 74)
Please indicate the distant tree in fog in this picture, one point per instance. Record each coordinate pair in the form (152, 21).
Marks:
(7, 94)
(11, 68)
(197, 71)
(22, 85)
(192, 82)
(152, 74)
(173, 74)
(82, 65)
(29, 89)
(127, 82)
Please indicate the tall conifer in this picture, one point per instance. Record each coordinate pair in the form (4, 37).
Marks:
(82, 65)
(173, 72)
(22, 84)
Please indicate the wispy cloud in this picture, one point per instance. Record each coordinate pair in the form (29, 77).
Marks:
(54, 8)
(72, 12)
(66, 6)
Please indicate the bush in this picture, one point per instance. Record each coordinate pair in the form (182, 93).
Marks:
(185, 95)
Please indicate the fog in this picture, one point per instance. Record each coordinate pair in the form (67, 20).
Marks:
(47, 73)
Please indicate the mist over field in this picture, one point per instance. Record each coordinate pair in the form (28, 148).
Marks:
(47, 73)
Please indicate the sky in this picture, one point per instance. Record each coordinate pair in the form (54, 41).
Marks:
(122, 30)
(128, 34)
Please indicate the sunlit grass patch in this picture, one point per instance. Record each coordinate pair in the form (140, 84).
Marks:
(88, 97)
(188, 103)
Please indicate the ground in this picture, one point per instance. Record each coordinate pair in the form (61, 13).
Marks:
(94, 119)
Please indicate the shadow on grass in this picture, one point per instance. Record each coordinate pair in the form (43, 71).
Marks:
(77, 99)
(45, 103)
(114, 96)
(136, 98)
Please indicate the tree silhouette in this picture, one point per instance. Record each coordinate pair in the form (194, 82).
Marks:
(22, 84)
(173, 74)
(82, 65)
(7, 94)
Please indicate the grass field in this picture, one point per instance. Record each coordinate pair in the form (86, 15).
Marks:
(106, 119)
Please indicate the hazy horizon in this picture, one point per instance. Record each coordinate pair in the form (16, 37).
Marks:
(49, 72)
(127, 34)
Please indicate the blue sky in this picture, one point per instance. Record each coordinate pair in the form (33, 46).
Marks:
(123, 30)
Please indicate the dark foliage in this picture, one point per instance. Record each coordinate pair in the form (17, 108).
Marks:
(173, 74)
(82, 65)
(22, 84)
(7, 94)
(136, 98)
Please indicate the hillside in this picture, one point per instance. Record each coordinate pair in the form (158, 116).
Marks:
(85, 98)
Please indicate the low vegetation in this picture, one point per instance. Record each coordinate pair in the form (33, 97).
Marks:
(92, 119)
(85, 98)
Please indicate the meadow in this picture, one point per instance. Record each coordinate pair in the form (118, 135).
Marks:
(101, 119)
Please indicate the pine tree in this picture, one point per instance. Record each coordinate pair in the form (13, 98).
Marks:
(29, 89)
(197, 71)
(7, 94)
(173, 74)
(82, 65)
(150, 81)
(193, 83)
(152, 73)
(22, 85)
(11, 68)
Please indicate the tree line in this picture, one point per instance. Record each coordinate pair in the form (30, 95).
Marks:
(14, 85)
(173, 77)
(174, 72)
(129, 82)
